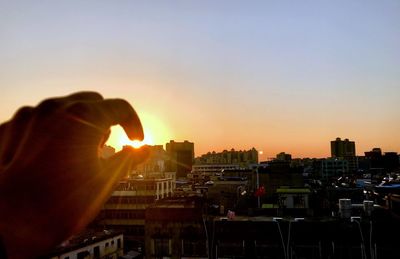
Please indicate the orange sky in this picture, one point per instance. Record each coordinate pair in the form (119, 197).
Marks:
(274, 76)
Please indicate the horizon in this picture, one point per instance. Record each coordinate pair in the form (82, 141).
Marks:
(276, 76)
(260, 152)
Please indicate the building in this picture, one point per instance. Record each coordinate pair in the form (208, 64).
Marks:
(215, 172)
(243, 158)
(125, 209)
(91, 244)
(391, 160)
(212, 169)
(284, 157)
(175, 228)
(227, 194)
(333, 168)
(180, 157)
(274, 174)
(343, 148)
(346, 150)
(388, 161)
(293, 197)
(305, 237)
(155, 161)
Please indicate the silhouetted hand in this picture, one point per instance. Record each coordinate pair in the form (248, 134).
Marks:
(52, 179)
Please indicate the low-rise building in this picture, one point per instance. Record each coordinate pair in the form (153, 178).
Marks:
(175, 228)
(292, 198)
(91, 244)
(240, 157)
(333, 168)
(125, 209)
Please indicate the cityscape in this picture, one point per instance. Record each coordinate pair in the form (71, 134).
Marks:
(200, 129)
(230, 204)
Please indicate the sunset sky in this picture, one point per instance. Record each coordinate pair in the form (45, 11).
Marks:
(275, 75)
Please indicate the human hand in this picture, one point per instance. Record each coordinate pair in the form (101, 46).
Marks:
(52, 179)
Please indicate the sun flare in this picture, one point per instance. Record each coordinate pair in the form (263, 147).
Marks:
(118, 139)
(156, 132)
(136, 143)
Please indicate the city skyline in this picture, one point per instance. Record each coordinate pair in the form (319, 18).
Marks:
(261, 155)
(276, 76)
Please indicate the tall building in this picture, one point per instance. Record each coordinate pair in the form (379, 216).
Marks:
(343, 148)
(346, 150)
(180, 157)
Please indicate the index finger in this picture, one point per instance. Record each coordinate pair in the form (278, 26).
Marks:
(119, 111)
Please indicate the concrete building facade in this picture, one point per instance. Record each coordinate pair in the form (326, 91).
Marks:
(345, 149)
(180, 157)
(175, 228)
(125, 210)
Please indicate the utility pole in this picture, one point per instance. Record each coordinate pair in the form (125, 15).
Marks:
(258, 186)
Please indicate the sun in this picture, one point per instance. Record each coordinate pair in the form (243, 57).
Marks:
(136, 143)
(118, 139)
(156, 132)
(125, 141)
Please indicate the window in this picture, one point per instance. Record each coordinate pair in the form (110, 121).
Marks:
(83, 255)
(161, 247)
(194, 247)
(119, 243)
(298, 201)
(96, 252)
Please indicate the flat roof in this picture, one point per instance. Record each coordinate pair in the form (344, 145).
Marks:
(293, 190)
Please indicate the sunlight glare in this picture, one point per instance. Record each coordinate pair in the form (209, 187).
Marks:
(156, 132)
(137, 143)
(118, 139)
